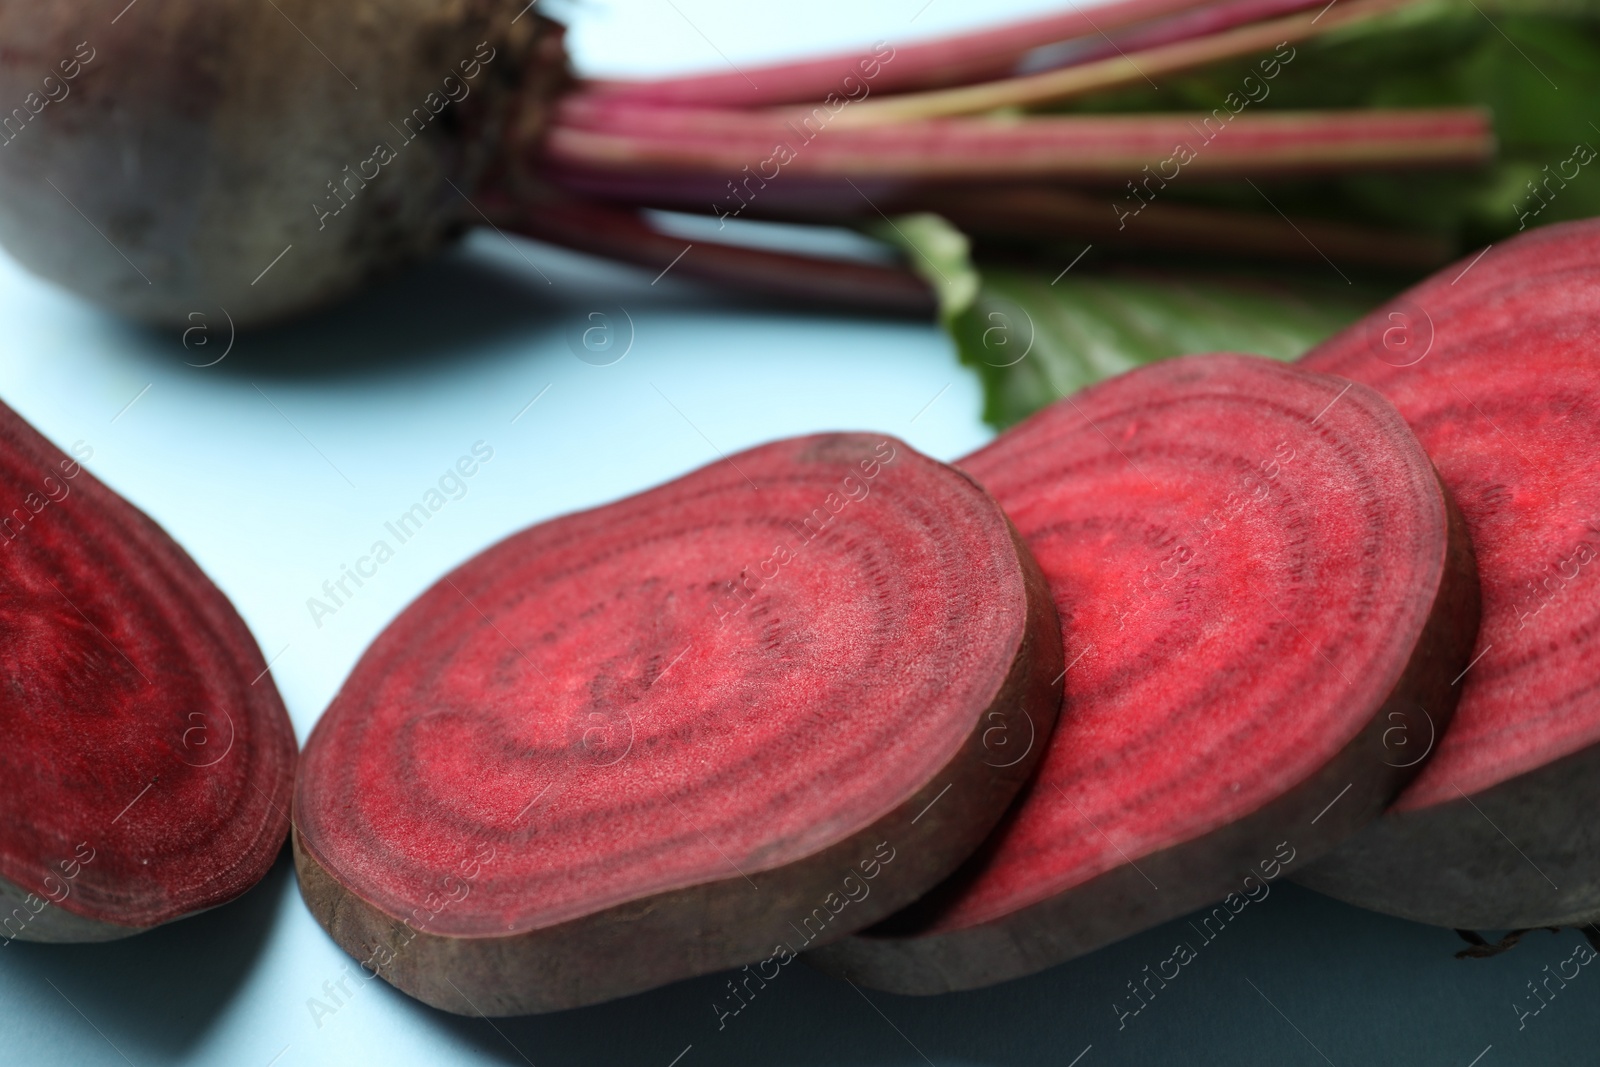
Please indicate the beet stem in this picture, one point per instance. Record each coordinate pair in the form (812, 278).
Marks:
(1042, 213)
(945, 61)
(623, 234)
(740, 146)
(1122, 69)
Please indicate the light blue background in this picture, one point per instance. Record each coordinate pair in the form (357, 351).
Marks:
(280, 465)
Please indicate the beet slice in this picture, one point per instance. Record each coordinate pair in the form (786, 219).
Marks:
(148, 761)
(1259, 578)
(750, 710)
(1495, 362)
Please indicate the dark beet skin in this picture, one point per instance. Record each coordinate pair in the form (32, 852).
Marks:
(199, 138)
(147, 766)
(1260, 579)
(587, 762)
(1495, 362)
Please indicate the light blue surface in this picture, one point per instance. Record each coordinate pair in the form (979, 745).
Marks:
(280, 464)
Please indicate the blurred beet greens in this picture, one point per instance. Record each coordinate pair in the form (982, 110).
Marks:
(1035, 334)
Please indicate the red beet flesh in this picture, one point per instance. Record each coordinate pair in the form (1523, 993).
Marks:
(148, 763)
(1493, 362)
(652, 740)
(1259, 580)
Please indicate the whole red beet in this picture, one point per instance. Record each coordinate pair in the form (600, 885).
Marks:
(201, 142)
(165, 158)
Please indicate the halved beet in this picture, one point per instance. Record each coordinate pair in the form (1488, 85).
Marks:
(147, 765)
(1495, 362)
(1260, 579)
(748, 711)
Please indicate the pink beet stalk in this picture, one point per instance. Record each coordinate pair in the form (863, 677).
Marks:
(1035, 213)
(1124, 68)
(946, 61)
(741, 147)
(623, 234)
(1189, 25)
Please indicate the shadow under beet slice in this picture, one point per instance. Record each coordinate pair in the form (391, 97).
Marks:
(1262, 585)
(1495, 363)
(739, 714)
(147, 766)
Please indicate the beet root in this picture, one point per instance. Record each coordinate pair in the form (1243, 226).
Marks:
(148, 761)
(1262, 588)
(1492, 361)
(742, 713)
(160, 162)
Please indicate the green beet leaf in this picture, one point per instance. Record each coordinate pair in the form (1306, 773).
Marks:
(1034, 336)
